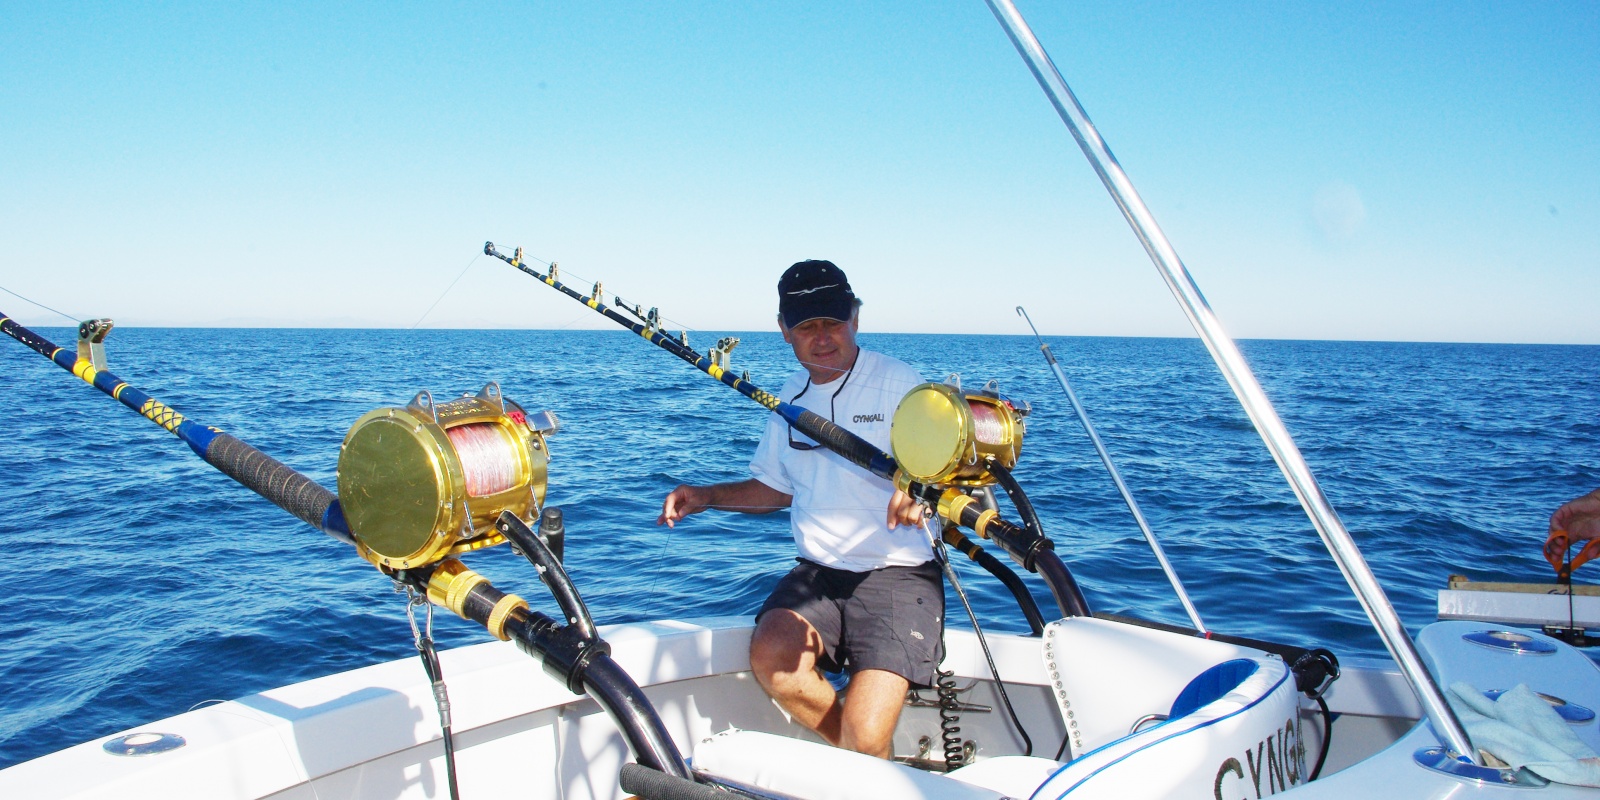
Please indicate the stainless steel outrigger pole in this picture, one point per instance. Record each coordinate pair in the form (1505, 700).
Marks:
(1243, 382)
(1116, 477)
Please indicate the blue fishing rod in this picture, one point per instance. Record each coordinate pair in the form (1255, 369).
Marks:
(417, 553)
(295, 493)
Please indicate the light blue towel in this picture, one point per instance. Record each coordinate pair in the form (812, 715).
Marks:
(1522, 730)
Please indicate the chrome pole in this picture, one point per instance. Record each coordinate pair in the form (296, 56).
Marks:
(1243, 382)
(1116, 477)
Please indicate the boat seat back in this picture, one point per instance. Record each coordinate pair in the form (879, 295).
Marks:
(1107, 677)
(1233, 731)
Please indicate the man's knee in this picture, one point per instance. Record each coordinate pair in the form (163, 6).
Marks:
(783, 643)
(872, 710)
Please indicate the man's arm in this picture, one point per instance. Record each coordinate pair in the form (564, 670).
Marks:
(748, 496)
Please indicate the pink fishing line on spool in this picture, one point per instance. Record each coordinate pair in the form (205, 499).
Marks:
(488, 457)
(987, 425)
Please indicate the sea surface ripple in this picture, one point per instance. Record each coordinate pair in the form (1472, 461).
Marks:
(144, 583)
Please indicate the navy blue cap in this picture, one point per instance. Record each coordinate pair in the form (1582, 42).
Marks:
(814, 289)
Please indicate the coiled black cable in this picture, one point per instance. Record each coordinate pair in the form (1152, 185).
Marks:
(942, 555)
(949, 729)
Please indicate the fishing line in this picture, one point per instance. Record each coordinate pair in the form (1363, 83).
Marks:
(661, 559)
(75, 320)
(446, 291)
(488, 457)
(569, 323)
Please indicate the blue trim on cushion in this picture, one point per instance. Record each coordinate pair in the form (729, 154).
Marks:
(1258, 701)
(1213, 684)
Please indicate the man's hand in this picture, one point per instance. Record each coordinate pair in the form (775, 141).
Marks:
(747, 496)
(681, 502)
(903, 510)
(1580, 518)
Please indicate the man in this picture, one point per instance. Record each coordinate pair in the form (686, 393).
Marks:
(867, 597)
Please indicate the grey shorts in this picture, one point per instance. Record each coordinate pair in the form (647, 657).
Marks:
(890, 619)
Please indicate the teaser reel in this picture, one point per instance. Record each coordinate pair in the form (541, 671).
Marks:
(421, 483)
(944, 437)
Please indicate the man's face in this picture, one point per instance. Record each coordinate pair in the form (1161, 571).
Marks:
(825, 347)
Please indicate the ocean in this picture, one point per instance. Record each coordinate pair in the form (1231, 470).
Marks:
(144, 583)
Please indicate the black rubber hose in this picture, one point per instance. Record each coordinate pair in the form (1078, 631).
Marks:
(1003, 573)
(1050, 566)
(430, 664)
(1062, 585)
(550, 571)
(649, 784)
(616, 692)
(1019, 498)
(1327, 737)
(1034, 552)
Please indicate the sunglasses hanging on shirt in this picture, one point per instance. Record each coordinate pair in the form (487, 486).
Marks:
(846, 379)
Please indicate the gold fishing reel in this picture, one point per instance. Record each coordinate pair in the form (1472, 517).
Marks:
(423, 482)
(943, 437)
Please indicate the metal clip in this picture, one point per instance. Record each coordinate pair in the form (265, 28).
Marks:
(415, 598)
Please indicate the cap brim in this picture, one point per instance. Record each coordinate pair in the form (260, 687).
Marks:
(801, 311)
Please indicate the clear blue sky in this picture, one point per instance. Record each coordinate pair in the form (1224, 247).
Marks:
(1389, 171)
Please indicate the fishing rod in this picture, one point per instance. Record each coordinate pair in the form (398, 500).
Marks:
(291, 491)
(408, 474)
(942, 414)
(821, 429)
(1116, 478)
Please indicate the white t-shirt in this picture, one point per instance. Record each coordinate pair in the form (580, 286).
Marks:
(837, 517)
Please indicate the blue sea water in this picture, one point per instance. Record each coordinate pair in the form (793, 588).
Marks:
(143, 583)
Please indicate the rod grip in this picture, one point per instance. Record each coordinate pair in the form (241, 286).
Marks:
(293, 492)
(857, 450)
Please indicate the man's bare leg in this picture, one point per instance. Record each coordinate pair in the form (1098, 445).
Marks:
(872, 706)
(783, 656)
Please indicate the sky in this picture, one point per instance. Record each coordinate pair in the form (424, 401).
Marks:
(1384, 171)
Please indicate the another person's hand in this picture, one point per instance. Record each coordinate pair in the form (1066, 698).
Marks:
(1580, 518)
(680, 503)
(903, 510)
